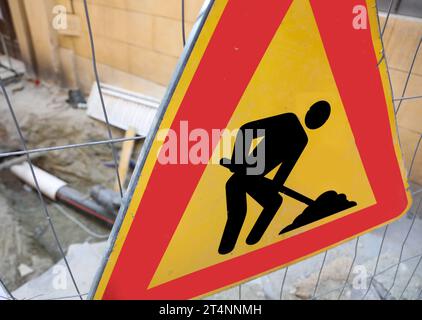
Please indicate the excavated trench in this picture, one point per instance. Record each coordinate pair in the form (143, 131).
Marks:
(27, 245)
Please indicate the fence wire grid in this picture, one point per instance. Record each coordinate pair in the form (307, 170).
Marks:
(286, 273)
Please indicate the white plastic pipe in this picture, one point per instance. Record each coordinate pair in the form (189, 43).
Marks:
(49, 184)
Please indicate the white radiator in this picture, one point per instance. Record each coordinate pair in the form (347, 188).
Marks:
(125, 109)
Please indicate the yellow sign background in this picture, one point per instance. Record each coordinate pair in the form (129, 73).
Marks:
(293, 75)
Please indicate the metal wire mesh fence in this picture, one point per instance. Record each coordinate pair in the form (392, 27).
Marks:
(391, 275)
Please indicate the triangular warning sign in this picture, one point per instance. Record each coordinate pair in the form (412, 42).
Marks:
(276, 141)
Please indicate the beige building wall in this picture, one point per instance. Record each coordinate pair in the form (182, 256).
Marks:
(401, 40)
(133, 38)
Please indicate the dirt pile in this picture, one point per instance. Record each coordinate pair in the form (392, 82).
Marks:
(80, 167)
